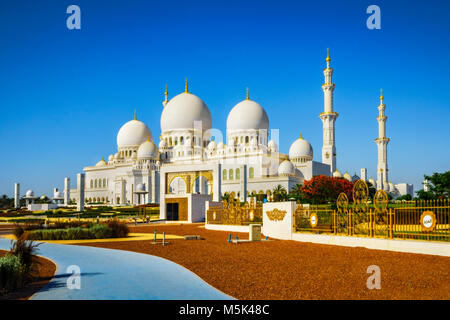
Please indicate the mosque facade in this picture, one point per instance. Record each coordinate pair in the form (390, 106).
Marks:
(188, 167)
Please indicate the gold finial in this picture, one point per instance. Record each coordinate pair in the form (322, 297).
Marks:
(165, 92)
(103, 158)
(328, 55)
(135, 118)
(381, 94)
(301, 136)
(247, 95)
(186, 86)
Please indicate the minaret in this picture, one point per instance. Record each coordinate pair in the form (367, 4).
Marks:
(166, 97)
(382, 142)
(328, 118)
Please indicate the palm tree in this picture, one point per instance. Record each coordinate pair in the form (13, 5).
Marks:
(279, 193)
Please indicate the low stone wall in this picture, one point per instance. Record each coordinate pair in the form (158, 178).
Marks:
(411, 246)
(227, 227)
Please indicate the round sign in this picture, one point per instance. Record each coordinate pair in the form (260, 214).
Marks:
(428, 220)
(313, 219)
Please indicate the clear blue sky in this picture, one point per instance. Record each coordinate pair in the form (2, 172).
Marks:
(64, 94)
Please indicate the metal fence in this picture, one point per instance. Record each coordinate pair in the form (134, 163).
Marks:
(233, 213)
(415, 220)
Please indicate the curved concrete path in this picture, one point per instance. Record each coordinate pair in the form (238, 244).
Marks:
(116, 274)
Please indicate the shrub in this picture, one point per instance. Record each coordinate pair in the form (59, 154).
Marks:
(101, 231)
(11, 273)
(24, 250)
(18, 231)
(119, 229)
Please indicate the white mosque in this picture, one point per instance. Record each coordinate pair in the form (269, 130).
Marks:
(188, 167)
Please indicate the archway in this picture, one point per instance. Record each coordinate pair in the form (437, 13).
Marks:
(202, 185)
(177, 186)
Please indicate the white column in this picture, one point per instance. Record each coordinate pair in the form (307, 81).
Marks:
(123, 198)
(217, 182)
(154, 180)
(162, 192)
(66, 191)
(17, 195)
(328, 118)
(80, 186)
(243, 183)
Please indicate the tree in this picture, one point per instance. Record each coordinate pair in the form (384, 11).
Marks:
(6, 202)
(438, 186)
(323, 189)
(372, 190)
(406, 197)
(279, 193)
(296, 192)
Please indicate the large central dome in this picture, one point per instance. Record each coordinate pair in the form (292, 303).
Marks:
(247, 114)
(183, 110)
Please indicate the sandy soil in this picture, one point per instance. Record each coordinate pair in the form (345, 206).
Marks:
(295, 270)
(44, 273)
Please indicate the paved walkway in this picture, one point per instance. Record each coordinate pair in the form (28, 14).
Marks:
(116, 274)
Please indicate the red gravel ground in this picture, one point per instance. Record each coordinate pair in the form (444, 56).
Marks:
(44, 273)
(296, 270)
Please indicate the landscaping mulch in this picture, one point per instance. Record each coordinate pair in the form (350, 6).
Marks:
(295, 270)
(45, 270)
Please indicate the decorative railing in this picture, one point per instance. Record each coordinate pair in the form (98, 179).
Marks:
(415, 220)
(233, 213)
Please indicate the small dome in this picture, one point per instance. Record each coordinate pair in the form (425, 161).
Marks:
(58, 195)
(43, 197)
(355, 178)
(116, 155)
(212, 146)
(347, 176)
(372, 182)
(29, 193)
(101, 163)
(337, 174)
(183, 110)
(111, 157)
(140, 187)
(147, 150)
(247, 114)
(133, 133)
(272, 146)
(301, 148)
(162, 144)
(286, 168)
(391, 187)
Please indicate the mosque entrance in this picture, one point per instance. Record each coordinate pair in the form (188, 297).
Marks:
(176, 209)
(172, 211)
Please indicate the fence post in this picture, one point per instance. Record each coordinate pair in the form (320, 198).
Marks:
(350, 227)
(391, 223)
(334, 222)
(370, 223)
